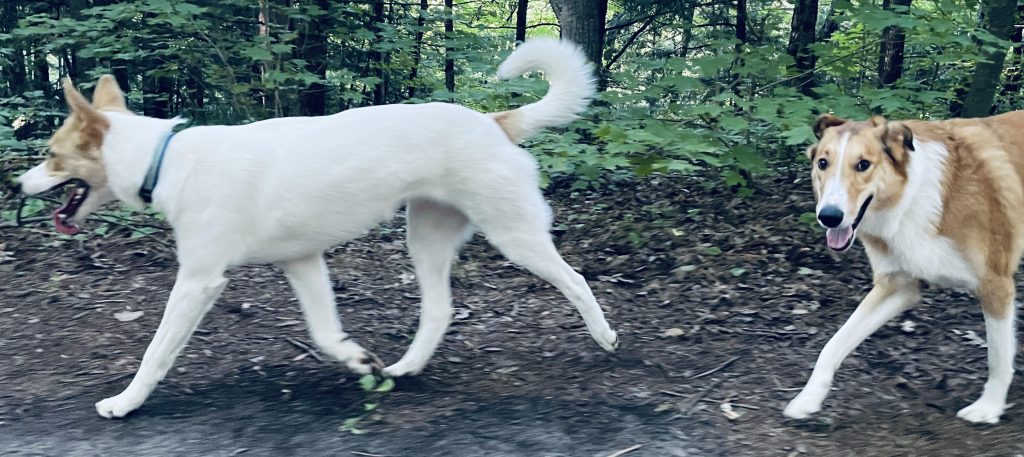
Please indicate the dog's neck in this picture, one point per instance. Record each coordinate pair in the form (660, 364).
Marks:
(921, 203)
(128, 149)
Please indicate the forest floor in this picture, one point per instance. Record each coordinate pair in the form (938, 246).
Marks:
(721, 303)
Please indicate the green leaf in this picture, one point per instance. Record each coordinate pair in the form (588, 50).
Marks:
(385, 386)
(367, 382)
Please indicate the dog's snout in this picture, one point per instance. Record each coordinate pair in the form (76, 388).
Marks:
(831, 216)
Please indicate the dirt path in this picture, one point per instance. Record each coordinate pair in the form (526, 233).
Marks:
(717, 300)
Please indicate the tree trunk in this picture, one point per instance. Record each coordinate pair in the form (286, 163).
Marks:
(377, 56)
(741, 38)
(156, 98)
(582, 22)
(194, 86)
(521, 9)
(801, 36)
(1011, 88)
(998, 16)
(449, 35)
(829, 26)
(890, 51)
(17, 76)
(41, 72)
(741, 23)
(314, 53)
(417, 52)
(687, 22)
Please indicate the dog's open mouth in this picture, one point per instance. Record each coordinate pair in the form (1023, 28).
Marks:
(77, 191)
(841, 238)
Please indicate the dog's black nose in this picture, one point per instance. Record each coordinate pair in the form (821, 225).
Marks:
(17, 188)
(831, 216)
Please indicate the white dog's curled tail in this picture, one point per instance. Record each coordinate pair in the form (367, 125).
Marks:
(572, 85)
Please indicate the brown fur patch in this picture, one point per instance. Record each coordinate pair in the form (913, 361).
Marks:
(75, 148)
(108, 95)
(824, 122)
(510, 122)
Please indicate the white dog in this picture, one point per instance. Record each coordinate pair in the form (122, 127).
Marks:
(284, 190)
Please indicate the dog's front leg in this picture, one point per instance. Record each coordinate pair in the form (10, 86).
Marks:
(996, 297)
(192, 296)
(890, 296)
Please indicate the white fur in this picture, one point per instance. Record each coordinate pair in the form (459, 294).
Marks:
(873, 312)
(1001, 340)
(910, 228)
(571, 78)
(835, 193)
(284, 190)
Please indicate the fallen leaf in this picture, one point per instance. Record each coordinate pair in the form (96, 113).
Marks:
(728, 412)
(128, 316)
(673, 332)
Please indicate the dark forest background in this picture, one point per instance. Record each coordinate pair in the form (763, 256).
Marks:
(726, 88)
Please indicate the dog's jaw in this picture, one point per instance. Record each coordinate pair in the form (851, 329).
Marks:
(38, 180)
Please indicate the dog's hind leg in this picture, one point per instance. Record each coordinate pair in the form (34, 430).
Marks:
(890, 296)
(192, 296)
(435, 233)
(312, 284)
(998, 306)
(519, 227)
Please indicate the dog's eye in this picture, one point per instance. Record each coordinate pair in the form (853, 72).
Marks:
(863, 165)
(822, 164)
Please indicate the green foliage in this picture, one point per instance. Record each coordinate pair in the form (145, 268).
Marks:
(376, 389)
(682, 94)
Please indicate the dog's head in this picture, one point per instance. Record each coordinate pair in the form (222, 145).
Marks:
(856, 167)
(75, 155)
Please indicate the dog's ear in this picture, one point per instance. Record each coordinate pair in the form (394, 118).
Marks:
(108, 95)
(897, 143)
(824, 122)
(90, 123)
(877, 120)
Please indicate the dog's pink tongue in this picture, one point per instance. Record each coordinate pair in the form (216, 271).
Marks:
(839, 238)
(64, 226)
(60, 219)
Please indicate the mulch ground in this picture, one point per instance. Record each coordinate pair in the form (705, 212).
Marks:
(721, 303)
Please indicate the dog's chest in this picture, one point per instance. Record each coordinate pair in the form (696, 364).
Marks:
(928, 257)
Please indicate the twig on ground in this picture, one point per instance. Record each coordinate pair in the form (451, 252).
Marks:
(674, 394)
(307, 348)
(367, 454)
(716, 369)
(626, 450)
(687, 408)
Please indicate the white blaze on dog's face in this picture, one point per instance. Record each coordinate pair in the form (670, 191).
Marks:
(76, 157)
(856, 166)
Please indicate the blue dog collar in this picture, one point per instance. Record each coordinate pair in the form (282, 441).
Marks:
(153, 173)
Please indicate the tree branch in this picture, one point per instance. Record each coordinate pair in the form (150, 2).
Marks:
(630, 41)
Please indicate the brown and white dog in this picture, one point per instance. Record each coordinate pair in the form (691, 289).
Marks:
(941, 202)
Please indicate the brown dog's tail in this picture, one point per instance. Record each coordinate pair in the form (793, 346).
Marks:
(572, 85)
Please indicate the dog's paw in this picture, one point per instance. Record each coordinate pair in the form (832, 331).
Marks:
(366, 363)
(609, 340)
(118, 406)
(983, 411)
(802, 407)
(402, 368)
